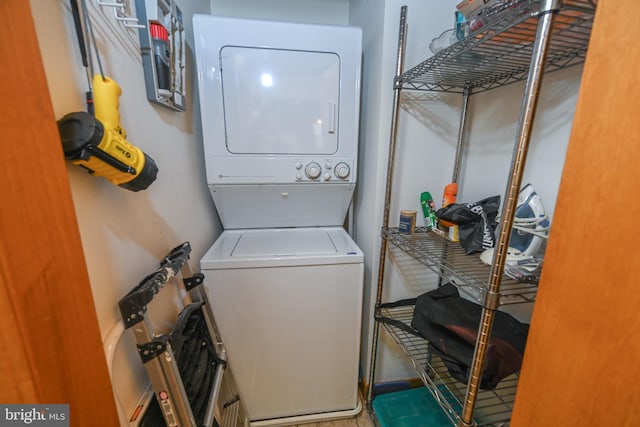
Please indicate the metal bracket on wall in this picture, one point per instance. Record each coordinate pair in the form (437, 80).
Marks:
(162, 46)
(120, 11)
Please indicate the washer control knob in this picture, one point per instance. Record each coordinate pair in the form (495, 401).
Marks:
(313, 170)
(327, 165)
(327, 176)
(298, 176)
(342, 170)
(298, 165)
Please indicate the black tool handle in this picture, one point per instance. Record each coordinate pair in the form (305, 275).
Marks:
(75, 11)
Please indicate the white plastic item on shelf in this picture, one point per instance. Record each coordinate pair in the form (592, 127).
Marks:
(443, 41)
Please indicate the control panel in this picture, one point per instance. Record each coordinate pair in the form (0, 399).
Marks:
(280, 170)
(327, 170)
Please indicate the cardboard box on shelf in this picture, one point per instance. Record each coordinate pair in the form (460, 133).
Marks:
(469, 8)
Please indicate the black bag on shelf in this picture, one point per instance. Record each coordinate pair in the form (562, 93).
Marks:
(450, 324)
(476, 222)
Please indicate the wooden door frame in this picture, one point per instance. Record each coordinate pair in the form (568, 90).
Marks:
(51, 348)
(582, 361)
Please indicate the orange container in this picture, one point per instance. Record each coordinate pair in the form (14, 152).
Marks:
(449, 197)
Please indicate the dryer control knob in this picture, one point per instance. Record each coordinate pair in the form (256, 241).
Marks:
(342, 170)
(327, 176)
(298, 165)
(313, 170)
(298, 176)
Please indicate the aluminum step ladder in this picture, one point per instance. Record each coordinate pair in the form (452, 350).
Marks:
(187, 367)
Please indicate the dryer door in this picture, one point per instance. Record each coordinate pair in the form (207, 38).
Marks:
(279, 101)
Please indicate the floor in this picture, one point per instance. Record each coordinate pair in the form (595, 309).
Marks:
(362, 420)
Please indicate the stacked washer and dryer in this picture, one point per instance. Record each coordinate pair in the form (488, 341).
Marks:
(280, 109)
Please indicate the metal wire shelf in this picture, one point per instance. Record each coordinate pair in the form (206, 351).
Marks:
(447, 259)
(493, 407)
(499, 53)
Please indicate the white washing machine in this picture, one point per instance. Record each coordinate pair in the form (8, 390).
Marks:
(288, 304)
(280, 107)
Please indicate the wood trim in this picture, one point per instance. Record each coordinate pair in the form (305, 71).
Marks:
(51, 347)
(582, 361)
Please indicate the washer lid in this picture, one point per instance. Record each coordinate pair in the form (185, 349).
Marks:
(284, 242)
(281, 247)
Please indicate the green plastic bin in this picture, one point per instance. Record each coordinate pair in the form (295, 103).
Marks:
(409, 408)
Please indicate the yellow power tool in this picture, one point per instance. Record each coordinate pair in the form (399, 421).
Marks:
(99, 143)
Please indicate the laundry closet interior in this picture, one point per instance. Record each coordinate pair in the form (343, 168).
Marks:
(281, 214)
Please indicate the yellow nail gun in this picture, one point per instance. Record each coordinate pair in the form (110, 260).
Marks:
(99, 143)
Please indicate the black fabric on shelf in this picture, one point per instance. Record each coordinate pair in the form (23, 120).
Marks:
(450, 324)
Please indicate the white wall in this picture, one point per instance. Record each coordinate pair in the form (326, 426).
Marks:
(370, 16)
(380, 23)
(333, 12)
(492, 129)
(125, 234)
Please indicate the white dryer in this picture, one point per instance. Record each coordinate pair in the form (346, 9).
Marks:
(280, 107)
